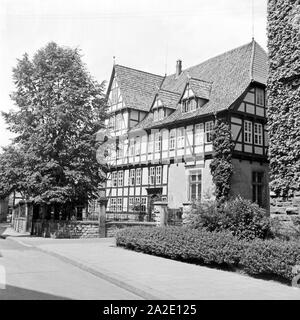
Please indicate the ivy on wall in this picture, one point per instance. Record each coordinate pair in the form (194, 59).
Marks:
(221, 166)
(284, 95)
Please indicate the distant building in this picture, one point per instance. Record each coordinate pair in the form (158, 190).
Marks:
(163, 127)
(3, 209)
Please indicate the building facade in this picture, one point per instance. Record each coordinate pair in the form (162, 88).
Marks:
(160, 130)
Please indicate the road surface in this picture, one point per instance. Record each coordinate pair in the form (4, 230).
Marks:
(32, 274)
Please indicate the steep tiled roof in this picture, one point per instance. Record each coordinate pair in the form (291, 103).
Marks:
(221, 80)
(137, 87)
(259, 72)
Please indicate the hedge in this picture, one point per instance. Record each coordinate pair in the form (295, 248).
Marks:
(258, 257)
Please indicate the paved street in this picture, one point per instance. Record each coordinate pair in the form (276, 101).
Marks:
(92, 262)
(32, 274)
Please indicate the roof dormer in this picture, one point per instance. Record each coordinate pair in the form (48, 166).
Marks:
(165, 102)
(195, 94)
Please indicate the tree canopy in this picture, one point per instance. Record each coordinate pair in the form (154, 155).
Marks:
(59, 110)
(283, 95)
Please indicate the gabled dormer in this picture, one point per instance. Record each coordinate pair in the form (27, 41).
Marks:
(195, 94)
(159, 110)
(165, 102)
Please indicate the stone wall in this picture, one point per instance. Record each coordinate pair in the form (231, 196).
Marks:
(113, 227)
(286, 226)
(65, 229)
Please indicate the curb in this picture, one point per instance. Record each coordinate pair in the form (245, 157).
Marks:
(155, 295)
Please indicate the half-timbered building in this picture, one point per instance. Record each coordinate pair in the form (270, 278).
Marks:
(162, 127)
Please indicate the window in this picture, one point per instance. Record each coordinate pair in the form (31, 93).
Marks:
(258, 134)
(138, 146)
(158, 175)
(136, 205)
(131, 203)
(113, 204)
(180, 138)
(157, 142)
(138, 176)
(112, 122)
(161, 113)
(120, 150)
(131, 147)
(247, 131)
(199, 134)
(143, 204)
(189, 105)
(155, 115)
(120, 178)
(119, 121)
(195, 186)
(150, 143)
(257, 187)
(209, 127)
(172, 139)
(119, 204)
(114, 179)
(152, 175)
(193, 105)
(131, 177)
(260, 96)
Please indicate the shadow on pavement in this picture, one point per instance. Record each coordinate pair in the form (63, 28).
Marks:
(16, 293)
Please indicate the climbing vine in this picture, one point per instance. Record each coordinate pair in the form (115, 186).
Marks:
(221, 166)
(284, 95)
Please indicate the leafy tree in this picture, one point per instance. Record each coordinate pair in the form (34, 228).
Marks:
(221, 166)
(283, 95)
(12, 171)
(59, 109)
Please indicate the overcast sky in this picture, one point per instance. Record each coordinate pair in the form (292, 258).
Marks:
(144, 34)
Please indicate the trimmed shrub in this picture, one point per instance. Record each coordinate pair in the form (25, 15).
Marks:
(241, 217)
(271, 257)
(183, 244)
(258, 257)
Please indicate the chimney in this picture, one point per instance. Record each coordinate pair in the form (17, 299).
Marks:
(178, 68)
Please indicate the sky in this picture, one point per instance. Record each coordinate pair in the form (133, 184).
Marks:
(149, 35)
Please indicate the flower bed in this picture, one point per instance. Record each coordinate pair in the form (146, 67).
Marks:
(257, 257)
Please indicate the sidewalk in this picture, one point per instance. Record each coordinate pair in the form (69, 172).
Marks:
(158, 278)
(7, 231)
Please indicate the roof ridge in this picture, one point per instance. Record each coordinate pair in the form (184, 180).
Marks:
(252, 59)
(193, 78)
(177, 93)
(153, 74)
(219, 55)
